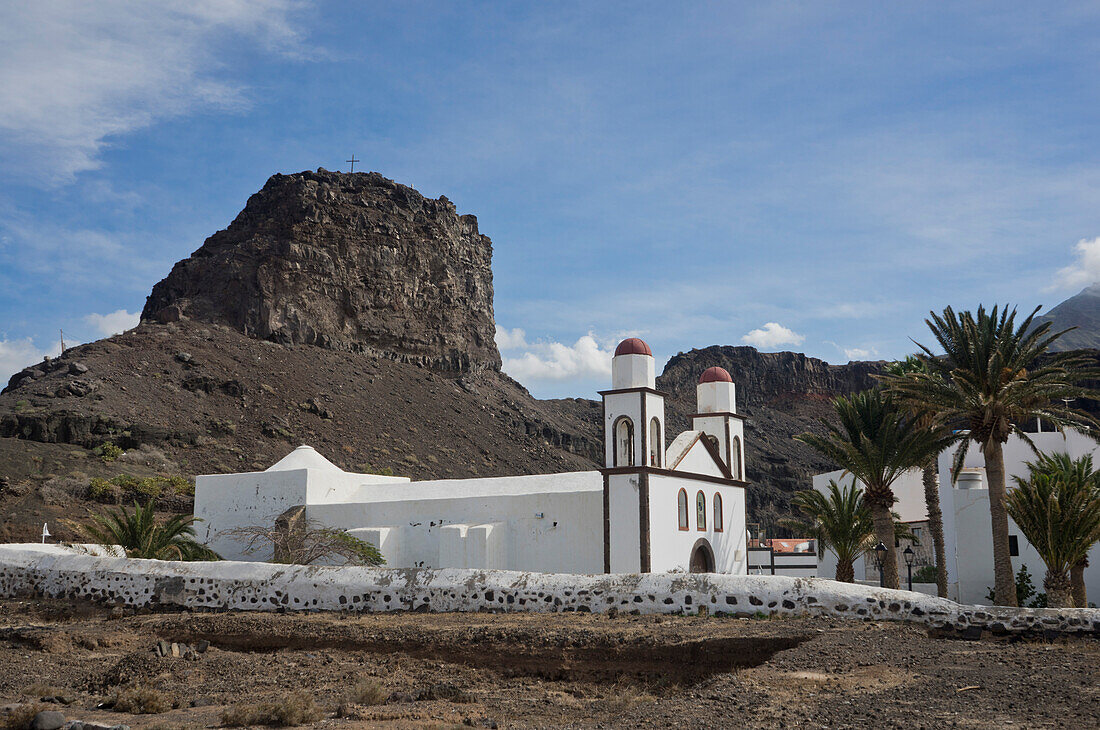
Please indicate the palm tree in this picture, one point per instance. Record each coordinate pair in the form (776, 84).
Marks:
(929, 475)
(1079, 474)
(1057, 507)
(988, 383)
(840, 522)
(876, 443)
(141, 537)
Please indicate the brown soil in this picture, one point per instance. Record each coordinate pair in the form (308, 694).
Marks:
(521, 670)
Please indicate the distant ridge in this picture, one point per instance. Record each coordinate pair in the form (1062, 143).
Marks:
(1081, 311)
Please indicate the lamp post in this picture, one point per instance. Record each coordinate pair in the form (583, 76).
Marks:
(880, 561)
(909, 555)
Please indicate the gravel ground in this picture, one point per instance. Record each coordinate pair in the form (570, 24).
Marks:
(521, 670)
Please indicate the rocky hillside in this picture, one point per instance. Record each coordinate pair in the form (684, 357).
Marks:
(781, 394)
(350, 262)
(1081, 311)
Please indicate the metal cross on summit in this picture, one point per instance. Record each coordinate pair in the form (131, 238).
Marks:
(353, 161)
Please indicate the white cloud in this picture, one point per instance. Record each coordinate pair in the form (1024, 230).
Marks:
(18, 354)
(555, 361)
(771, 335)
(74, 74)
(1084, 271)
(856, 353)
(514, 339)
(113, 323)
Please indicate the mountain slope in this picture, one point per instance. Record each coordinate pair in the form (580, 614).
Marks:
(1081, 311)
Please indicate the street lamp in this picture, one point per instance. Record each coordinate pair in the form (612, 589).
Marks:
(909, 555)
(880, 561)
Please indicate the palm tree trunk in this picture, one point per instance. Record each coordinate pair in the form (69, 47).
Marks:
(1003, 580)
(1077, 581)
(884, 533)
(935, 525)
(845, 573)
(1059, 592)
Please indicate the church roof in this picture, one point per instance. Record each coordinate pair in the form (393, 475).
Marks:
(303, 457)
(715, 375)
(633, 346)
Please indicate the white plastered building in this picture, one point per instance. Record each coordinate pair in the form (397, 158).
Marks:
(650, 509)
(967, 526)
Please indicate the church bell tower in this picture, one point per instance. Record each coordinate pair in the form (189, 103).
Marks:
(634, 410)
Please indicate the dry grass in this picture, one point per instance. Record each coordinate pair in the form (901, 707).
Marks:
(368, 692)
(293, 709)
(20, 718)
(626, 694)
(40, 690)
(139, 700)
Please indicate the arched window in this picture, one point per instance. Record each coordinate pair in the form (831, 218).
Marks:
(735, 459)
(700, 511)
(656, 443)
(624, 442)
(718, 520)
(682, 508)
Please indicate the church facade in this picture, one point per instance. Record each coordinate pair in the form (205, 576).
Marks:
(651, 508)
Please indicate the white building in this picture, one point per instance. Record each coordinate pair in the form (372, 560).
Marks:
(968, 541)
(650, 509)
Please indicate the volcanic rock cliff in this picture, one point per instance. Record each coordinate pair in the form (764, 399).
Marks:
(346, 262)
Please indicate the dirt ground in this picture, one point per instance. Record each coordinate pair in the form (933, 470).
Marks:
(522, 670)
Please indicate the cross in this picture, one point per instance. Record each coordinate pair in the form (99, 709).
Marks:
(353, 161)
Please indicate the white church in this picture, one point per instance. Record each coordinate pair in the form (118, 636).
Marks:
(649, 509)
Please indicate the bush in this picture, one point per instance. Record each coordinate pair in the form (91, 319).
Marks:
(108, 452)
(368, 692)
(101, 490)
(926, 574)
(138, 700)
(1025, 589)
(20, 718)
(294, 709)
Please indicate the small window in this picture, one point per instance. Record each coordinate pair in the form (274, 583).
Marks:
(656, 443)
(682, 508)
(718, 524)
(735, 458)
(624, 442)
(700, 511)
(1014, 546)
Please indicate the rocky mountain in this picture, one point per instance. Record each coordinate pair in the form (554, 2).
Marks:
(340, 310)
(1081, 311)
(350, 262)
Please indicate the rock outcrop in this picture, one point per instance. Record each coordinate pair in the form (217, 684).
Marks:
(351, 262)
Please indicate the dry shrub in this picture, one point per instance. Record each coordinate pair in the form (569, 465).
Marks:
(40, 690)
(20, 718)
(140, 700)
(625, 694)
(293, 709)
(368, 692)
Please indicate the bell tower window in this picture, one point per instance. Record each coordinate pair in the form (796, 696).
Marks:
(624, 442)
(656, 443)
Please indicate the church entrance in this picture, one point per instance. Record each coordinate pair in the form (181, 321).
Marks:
(702, 557)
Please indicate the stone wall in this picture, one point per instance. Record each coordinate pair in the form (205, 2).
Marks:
(58, 572)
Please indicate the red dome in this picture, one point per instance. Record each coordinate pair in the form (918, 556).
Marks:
(715, 375)
(633, 346)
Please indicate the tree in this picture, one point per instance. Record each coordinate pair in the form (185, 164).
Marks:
(1057, 507)
(876, 443)
(140, 536)
(929, 474)
(840, 522)
(294, 540)
(988, 383)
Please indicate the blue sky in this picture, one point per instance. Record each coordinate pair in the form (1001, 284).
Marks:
(803, 176)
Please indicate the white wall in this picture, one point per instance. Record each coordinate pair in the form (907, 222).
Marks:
(968, 539)
(671, 547)
(425, 519)
(623, 507)
(53, 571)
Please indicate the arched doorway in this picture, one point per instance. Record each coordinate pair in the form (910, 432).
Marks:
(702, 557)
